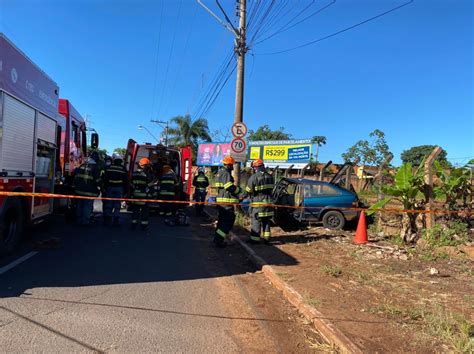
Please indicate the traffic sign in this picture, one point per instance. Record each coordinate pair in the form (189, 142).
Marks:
(239, 130)
(238, 149)
(238, 145)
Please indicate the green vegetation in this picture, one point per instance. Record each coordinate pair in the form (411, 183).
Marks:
(417, 154)
(186, 131)
(120, 151)
(311, 301)
(455, 185)
(453, 233)
(454, 329)
(319, 141)
(332, 270)
(373, 152)
(265, 133)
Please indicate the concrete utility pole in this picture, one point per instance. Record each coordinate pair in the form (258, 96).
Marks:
(240, 50)
(165, 126)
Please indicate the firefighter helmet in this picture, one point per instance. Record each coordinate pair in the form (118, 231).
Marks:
(228, 160)
(144, 161)
(257, 163)
(116, 156)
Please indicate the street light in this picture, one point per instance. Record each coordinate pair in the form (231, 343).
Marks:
(141, 127)
(165, 126)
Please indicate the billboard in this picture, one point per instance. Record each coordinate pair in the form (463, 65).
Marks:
(282, 153)
(23, 79)
(211, 154)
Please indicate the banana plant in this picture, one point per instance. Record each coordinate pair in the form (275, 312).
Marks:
(408, 184)
(452, 186)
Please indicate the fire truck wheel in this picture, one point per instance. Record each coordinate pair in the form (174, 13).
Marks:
(11, 225)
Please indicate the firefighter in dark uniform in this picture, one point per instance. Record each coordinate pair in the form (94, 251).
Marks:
(86, 183)
(200, 183)
(168, 191)
(115, 183)
(140, 182)
(259, 188)
(227, 192)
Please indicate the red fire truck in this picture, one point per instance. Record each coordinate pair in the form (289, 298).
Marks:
(38, 142)
(180, 159)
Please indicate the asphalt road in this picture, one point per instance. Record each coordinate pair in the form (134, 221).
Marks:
(116, 290)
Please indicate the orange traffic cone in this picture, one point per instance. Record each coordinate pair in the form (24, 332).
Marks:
(361, 232)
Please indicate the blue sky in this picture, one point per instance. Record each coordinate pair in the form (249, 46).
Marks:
(409, 73)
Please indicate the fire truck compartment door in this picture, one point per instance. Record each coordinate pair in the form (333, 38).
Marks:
(46, 128)
(17, 146)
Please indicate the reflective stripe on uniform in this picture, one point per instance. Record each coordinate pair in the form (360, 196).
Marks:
(139, 194)
(89, 194)
(257, 204)
(248, 189)
(144, 222)
(134, 221)
(116, 181)
(221, 233)
(83, 176)
(264, 187)
(228, 185)
(138, 181)
(219, 185)
(167, 181)
(255, 238)
(166, 193)
(199, 179)
(265, 214)
(227, 200)
(267, 234)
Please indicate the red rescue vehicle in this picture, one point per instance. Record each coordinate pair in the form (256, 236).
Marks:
(180, 160)
(40, 142)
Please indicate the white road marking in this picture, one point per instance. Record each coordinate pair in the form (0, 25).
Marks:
(16, 262)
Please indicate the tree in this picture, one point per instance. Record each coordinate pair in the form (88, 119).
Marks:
(102, 152)
(265, 133)
(319, 141)
(120, 151)
(454, 185)
(416, 154)
(408, 184)
(188, 132)
(372, 152)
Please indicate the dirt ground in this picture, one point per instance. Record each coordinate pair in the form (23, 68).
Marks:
(384, 297)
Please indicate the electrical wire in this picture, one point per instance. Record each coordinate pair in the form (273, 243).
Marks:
(339, 32)
(169, 58)
(155, 78)
(289, 26)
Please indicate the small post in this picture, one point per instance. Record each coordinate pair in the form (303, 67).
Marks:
(321, 172)
(429, 197)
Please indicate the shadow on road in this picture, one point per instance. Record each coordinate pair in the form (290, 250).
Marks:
(102, 255)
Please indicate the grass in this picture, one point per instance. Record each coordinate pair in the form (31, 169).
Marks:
(453, 329)
(320, 347)
(364, 277)
(332, 270)
(430, 255)
(286, 277)
(396, 240)
(454, 233)
(311, 301)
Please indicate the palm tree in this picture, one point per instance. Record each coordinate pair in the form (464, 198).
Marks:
(188, 132)
(319, 141)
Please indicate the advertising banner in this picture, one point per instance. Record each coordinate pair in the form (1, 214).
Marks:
(282, 153)
(24, 80)
(211, 154)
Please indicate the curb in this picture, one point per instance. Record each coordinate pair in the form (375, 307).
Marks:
(327, 329)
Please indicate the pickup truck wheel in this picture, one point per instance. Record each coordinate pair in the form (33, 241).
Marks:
(334, 220)
(11, 226)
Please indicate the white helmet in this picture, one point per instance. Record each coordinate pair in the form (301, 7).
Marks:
(116, 156)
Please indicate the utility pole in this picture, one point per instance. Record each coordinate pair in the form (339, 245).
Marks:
(240, 51)
(165, 127)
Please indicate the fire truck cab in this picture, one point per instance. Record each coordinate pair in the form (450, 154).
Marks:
(180, 160)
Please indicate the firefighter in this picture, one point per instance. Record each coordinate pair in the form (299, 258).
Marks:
(227, 192)
(115, 182)
(259, 188)
(86, 183)
(139, 184)
(168, 191)
(200, 183)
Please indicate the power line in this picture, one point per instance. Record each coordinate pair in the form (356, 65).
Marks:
(155, 78)
(169, 58)
(289, 26)
(339, 32)
(181, 63)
